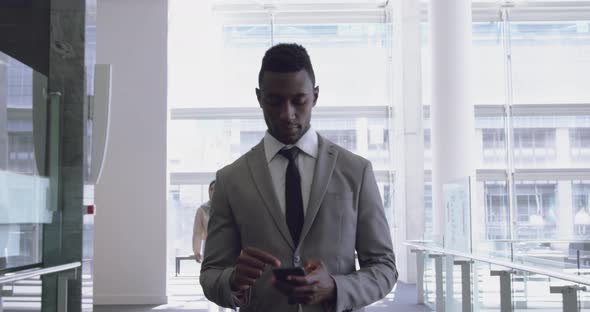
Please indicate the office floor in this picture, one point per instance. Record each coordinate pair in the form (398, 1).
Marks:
(186, 295)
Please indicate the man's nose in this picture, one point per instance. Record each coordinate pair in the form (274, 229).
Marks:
(288, 110)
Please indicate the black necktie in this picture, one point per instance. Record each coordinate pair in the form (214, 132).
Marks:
(293, 198)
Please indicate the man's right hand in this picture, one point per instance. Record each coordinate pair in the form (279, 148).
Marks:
(250, 266)
(198, 257)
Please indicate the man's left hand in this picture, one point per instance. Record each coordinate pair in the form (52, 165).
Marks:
(316, 287)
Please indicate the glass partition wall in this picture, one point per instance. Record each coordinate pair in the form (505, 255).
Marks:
(24, 190)
(42, 75)
(528, 70)
(532, 107)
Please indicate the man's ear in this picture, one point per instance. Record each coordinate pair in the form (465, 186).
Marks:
(316, 94)
(259, 97)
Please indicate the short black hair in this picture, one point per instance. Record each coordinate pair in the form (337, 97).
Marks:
(286, 58)
(211, 184)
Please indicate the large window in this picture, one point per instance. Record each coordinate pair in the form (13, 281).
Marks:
(215, 117)
(535, 59)
(550, 60)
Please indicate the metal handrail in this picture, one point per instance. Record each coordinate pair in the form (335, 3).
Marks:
(555, 241)
(13, 277)
(519, 267)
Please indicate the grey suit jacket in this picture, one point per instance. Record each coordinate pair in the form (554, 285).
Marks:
(345, 213)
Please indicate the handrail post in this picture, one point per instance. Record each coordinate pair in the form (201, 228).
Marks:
(438, 273)
(449, 282)
(570, 296)
(465, 284)
(5, 293)
(63, 279)
(419, 275)
(505, 289)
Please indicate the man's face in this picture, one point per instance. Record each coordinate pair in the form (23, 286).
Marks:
(286, 100)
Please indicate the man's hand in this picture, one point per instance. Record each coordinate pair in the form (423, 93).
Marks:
(316, 287)
(198, 257)
(250, 266)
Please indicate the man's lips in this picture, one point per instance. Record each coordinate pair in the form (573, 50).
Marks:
(291, 128)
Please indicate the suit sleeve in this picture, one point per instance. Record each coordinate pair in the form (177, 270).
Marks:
(221, 250)
(378, 272)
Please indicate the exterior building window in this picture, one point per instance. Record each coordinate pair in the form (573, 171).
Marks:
(581, 208)
(496, 210)
(534, 146)
(535, 206)
(19, 85)
(345, 137)
(494, 146)
(248, 139)
(580, 144)
(21, 156)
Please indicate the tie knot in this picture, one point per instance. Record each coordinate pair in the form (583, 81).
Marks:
(290, 153)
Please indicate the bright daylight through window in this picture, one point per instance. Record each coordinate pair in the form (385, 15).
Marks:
(530, 92)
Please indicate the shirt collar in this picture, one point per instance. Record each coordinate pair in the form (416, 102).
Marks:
(308, 143)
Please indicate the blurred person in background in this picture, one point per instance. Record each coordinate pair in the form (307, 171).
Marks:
(200, 225)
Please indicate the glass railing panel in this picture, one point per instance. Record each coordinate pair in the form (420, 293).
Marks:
(457, 203)
(584, 299)
(561, 256)
(487, 288)
(25, 188)
(493, 249)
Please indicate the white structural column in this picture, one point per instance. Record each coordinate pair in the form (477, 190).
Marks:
(130, 225)
(409, 135)
(452, 112)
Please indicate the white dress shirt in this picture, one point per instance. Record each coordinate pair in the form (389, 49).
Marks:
(306, 160)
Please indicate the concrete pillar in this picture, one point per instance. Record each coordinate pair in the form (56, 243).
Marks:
(452, 112)
(409, 135)
(130, 224)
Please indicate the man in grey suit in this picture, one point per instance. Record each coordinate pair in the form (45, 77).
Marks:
(296, 200)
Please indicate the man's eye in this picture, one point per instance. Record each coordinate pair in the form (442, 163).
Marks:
(300, 100)
(273, 101)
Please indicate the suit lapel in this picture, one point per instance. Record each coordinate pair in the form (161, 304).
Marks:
(324, 168)
(263, 181)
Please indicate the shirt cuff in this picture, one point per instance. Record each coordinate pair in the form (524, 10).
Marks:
(238, 298)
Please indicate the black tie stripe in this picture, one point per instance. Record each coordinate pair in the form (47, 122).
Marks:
(293, 197)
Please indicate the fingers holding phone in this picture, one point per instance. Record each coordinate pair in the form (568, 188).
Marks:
(314, 285)
(249, 267)
(282, 280)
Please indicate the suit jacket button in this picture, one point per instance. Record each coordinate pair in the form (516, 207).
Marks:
(297, 260)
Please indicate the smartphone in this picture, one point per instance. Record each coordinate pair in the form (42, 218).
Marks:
(282, 273)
